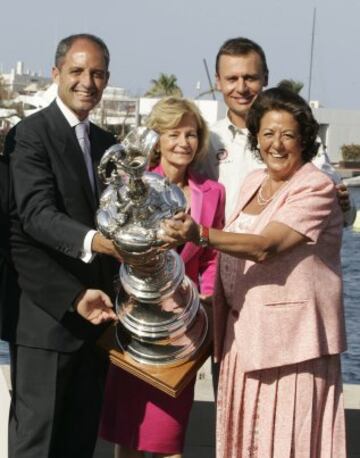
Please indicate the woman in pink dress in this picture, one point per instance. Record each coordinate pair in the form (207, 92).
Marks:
(278, 308)
(137, 416)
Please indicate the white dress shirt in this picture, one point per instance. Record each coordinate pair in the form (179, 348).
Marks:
(87, 254)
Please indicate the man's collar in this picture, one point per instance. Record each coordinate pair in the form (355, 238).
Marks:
(234, 129)
(70, 116)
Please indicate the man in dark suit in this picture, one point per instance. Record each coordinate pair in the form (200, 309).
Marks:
(66, 289)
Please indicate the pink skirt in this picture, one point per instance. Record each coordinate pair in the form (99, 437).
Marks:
(286, 412)
(141, 417)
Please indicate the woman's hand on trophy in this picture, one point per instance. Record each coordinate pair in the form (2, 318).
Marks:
(161, 244)
(179, 229)
(101, 244)
(95, 306)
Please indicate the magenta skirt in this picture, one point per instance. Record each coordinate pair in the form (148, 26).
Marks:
(141, 417)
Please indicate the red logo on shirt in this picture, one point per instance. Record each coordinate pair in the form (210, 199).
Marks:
(222, 154)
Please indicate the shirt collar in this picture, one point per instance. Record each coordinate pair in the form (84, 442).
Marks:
(233, 129)
(70, 116)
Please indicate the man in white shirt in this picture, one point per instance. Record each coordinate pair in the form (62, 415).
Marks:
(65, 291)
(241, 74)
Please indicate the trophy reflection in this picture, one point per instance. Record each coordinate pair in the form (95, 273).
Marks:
(161, 320)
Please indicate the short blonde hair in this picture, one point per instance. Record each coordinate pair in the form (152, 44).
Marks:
(167, 114)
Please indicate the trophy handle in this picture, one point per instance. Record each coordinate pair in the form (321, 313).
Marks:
(131, 157)
(112, 156)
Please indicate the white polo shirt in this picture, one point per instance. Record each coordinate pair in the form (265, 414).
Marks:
(229, 160)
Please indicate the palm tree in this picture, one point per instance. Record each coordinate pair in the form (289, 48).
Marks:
(291, 85)
(164, 85)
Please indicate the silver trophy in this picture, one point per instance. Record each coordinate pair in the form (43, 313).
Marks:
(161, 320)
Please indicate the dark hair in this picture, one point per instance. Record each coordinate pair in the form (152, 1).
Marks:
(280, 99)
(242, 47)
(66, 43)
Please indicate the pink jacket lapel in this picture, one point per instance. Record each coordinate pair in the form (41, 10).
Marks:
(200, 212)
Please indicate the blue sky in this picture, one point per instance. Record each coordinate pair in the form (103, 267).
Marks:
(148, 37)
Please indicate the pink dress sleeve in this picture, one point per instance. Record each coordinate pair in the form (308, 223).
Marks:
(309, 205)
(208, 258)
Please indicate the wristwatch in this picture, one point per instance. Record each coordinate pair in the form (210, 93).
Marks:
(203, 236)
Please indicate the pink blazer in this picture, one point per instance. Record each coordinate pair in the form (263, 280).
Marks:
(290, 308)
(207, 208)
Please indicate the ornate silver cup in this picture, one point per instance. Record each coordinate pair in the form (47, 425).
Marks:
(161, 320)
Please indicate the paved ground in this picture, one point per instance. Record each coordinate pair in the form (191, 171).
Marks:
(201, 432)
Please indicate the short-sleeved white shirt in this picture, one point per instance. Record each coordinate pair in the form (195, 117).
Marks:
(229, 160)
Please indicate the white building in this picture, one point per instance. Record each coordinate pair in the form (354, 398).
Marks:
(337, 128)
(116, 108)
(18, 80)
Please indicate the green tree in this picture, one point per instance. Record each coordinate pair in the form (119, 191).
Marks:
(164, 85)
(291, 85)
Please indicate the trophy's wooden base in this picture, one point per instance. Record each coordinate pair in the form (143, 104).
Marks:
(171, 380)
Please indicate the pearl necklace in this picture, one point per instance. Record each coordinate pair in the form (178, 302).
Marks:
(261, 199)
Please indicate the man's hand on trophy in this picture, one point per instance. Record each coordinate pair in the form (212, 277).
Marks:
(101, 244)
(179, 229)
(95, 306)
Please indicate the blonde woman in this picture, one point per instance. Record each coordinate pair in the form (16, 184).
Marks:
(137, 416)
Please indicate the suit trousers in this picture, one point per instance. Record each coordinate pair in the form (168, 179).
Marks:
(56, 402)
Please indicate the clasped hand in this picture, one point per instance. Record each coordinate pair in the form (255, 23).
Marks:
(181, 228)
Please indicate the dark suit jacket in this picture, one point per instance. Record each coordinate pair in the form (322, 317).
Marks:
(9, 291)
(55, 208)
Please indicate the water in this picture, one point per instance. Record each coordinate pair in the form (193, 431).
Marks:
(351, 275)
(351, 271)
